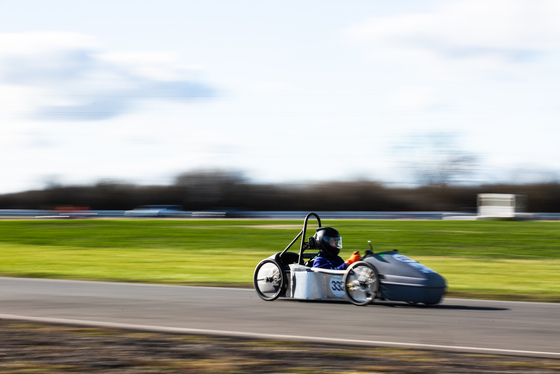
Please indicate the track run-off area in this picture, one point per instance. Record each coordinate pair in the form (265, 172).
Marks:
(478, 326)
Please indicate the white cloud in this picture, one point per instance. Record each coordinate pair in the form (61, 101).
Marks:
(70, 76)
(161, 66)
(473, 36)
(412, 99)
(271, 88)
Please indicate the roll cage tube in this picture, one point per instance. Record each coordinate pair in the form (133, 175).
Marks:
(301, 234)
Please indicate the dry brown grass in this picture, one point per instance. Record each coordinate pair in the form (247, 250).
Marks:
(48, 349)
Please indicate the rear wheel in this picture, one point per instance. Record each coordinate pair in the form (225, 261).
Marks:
(268, 280)
(361, 283)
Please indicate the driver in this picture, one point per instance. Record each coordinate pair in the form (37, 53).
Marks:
(329, 242)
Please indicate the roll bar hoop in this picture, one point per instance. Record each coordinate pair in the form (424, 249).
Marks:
(301, 234)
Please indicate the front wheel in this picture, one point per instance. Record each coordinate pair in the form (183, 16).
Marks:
(361, 283)
(268, 280)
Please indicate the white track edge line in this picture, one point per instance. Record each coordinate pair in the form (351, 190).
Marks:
(184, 330)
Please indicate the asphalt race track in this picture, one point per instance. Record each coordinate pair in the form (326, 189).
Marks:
(518, 328)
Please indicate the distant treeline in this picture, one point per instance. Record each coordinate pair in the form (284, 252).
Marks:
(221, 190)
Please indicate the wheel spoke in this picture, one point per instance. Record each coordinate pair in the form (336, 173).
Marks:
(268, 280)
(361, 283)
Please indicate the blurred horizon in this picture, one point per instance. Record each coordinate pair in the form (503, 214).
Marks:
(231, 192)
(425, 178)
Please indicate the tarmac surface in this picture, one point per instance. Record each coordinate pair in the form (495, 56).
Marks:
(455, 325)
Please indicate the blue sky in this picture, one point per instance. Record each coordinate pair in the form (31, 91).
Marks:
(283, 91)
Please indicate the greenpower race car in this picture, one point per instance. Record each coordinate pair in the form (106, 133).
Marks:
(385, 275)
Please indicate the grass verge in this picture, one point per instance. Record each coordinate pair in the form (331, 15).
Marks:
(479, 259)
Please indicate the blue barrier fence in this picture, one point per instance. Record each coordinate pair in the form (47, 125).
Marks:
(54, 214)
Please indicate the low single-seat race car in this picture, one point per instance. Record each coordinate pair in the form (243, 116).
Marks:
(385, 275)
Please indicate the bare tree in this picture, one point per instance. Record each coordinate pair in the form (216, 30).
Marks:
(209, 187)
(437, 159)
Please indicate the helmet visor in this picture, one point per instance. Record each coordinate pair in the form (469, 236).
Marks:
(334, 241)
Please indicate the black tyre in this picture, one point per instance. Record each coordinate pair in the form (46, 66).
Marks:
(361, 283)
(269, 280)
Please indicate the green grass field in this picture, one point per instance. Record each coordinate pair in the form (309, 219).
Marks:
(480, 259)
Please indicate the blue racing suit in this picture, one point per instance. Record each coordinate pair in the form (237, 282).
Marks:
(326, 262)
